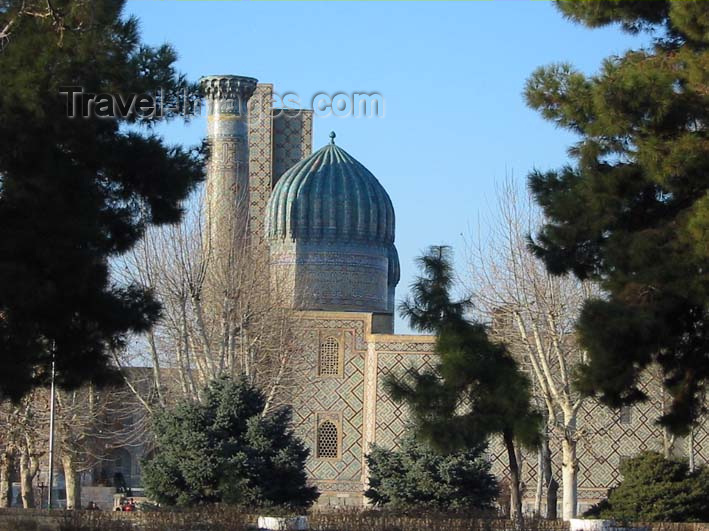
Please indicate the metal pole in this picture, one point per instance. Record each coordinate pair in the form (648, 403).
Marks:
(50, 479)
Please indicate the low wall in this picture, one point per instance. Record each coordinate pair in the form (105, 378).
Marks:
(16, 519)
(217, 517)
(102, 496)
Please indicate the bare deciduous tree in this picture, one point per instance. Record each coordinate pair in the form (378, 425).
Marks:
(534, 313)
(33, 417)
(90, 421)
(10, 431)
(220, 315)
(24, 428)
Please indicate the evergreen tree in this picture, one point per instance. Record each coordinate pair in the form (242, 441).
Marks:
(77, 193)
(224, 450)
(416, 476)
(655, 489)
(633, 211)
(476, 388)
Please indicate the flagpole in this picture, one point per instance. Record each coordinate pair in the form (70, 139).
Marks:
(50, 479)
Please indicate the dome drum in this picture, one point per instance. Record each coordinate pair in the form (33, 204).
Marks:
(332, 277)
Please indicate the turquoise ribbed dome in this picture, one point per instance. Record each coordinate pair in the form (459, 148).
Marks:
(331, 197)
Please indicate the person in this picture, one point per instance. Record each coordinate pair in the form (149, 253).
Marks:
(93, 507)
(129, 505)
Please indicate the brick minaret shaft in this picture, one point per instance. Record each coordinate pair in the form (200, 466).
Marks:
(227, 198)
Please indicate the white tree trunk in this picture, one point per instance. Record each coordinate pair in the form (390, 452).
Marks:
(26, 477)
(569, 477)
(690, 449)
(539, 492)
(552, 485)
(5, 485)
(72, 482)
(668, 443)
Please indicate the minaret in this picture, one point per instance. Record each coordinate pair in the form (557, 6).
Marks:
(227, 200)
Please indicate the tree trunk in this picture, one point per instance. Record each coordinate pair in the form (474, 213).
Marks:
(520, 465)
(72, 482)
(5, 483)
(551, 484)
(515, 483)
(541, 481)
(690, 449)
(668, 443)
(552, 499)
(26, 477)
(569, 476)
(668, 439)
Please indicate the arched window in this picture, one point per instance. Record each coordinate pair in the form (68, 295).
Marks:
(329, 362)
(328, 440)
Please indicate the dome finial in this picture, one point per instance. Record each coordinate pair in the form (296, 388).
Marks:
(332, 137)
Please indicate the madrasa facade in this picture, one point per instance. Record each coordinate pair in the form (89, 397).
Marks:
(327, 228)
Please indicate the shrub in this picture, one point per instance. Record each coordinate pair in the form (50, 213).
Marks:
(223, 450)
(656, 489)
(415, 476)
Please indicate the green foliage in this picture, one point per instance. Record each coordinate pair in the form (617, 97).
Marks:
(470, 370)
(223, 450)
(632, 15)
(632, 213)
(655, 489)
(76, 193)
(415, 476)
(475, 390)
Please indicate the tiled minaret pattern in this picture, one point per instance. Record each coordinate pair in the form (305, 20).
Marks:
(228, 168)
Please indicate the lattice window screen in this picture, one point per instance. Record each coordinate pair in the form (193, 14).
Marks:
(327, 440)
(329, 357)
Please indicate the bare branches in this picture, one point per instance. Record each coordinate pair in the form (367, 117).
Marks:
(534, 313)
(220, 315)
(531, 310)
(42, 10)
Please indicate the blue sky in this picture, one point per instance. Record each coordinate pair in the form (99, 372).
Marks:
(451, 74)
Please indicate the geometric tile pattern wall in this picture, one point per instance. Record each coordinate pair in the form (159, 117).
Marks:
(391, 417)
(292, 139)
(260, 159)
(604, 441)
(340, 395)
(344, 397)
(606, 438)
